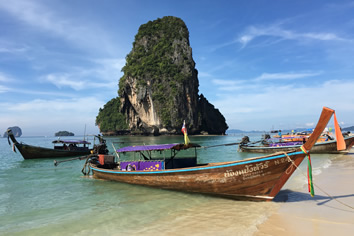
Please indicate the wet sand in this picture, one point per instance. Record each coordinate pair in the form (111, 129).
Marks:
(302, 214)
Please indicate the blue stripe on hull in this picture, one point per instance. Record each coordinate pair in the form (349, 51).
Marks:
(197, 169)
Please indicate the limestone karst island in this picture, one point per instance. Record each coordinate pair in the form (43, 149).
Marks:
(159, 87)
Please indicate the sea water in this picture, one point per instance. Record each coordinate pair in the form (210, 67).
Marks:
(37, 198)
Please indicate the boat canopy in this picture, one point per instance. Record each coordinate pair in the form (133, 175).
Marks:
(157, 147)
(71, 141)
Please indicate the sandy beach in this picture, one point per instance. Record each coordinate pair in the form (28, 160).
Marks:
(302, 214)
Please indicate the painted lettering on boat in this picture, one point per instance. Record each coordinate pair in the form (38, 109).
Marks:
(281, 161)
(250, 171)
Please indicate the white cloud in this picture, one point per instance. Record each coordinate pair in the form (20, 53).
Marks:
(293, 105)
(312, 124)
(244, 39)
(3, 89)
(104, 73)
(255, 83)
(230, 85)
(4, 77)
(42, 17)
(321, 36)
(64, 80)
(76, 82)
(279, 33)
(285, 76)
(108, 68)
(76, 105)
(44, 117)
(11, 49)
(225, 82)
(203, 74)
(33, 13)
(40, 92)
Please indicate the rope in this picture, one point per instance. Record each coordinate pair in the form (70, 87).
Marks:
(330, 196)
(226, 144)
(71, 159)
(115, 151)
(229, 144)
(85, 166)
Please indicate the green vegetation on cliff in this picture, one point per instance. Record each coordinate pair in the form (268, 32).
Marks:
(109, 118)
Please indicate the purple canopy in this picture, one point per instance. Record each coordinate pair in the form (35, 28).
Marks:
(157, 147)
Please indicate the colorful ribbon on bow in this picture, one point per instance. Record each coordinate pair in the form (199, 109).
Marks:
(309, 173)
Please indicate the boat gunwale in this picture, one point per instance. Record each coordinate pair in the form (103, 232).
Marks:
(47, 148)
(216, 165)
(255, 147)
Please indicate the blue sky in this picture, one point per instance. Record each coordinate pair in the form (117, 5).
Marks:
(263, 64)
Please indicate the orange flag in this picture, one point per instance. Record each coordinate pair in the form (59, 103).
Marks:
(339, 136)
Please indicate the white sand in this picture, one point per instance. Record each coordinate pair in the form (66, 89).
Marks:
(320, 215)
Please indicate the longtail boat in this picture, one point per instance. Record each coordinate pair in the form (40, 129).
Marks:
(329, 147)
(257, 179)
(61, 149)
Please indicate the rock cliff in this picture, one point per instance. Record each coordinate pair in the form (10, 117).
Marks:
(159, 88)
(212, 121)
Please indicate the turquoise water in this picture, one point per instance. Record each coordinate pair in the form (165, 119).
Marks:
(37, 198)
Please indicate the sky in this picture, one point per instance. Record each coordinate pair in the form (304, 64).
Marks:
(264, 64)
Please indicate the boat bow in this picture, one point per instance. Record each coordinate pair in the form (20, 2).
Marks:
(321, 125)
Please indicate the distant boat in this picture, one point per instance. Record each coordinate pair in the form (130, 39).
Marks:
(301, 137)
(62, 148)
(320, 147)
(258, 179)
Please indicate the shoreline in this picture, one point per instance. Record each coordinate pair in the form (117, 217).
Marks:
(301, 214)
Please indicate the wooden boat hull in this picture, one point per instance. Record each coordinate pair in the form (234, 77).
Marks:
(257, 179)
(319, 148)
(33, 152)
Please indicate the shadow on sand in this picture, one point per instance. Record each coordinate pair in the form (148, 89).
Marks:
(292, 196)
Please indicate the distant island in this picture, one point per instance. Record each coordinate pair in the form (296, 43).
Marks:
(238, 131)
(64, 133)
(15, 130)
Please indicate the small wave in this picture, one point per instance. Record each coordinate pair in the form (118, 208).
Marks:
(327, 164)
(316, 171)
